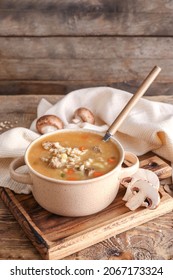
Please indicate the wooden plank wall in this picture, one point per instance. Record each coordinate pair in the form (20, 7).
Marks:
(55, 46)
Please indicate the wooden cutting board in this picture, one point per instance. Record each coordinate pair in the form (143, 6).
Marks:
(56, 237)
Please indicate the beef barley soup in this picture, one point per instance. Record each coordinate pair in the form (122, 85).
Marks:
(73, 156)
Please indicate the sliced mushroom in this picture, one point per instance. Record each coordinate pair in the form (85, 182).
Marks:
(48, 123)
(145, 195)
(143, 177)
(84, 115)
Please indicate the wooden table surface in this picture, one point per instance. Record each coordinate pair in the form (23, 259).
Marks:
(152, 240)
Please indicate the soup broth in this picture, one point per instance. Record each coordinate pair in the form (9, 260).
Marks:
(73, 156)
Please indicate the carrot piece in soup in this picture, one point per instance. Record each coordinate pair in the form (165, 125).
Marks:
(97, 173)
(71, 178)
(70, 171)
(111, 160)
(82, 148)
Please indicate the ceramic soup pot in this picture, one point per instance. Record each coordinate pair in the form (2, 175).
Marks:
(74, 198)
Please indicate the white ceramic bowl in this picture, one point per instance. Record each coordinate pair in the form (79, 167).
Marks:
(74, 198)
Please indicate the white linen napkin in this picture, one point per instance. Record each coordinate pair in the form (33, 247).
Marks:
(148, 127)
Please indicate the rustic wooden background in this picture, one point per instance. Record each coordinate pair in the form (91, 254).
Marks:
(55, 46)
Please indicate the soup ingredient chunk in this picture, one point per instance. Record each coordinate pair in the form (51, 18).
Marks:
(60, 156)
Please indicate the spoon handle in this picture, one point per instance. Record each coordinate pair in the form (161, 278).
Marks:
(132, 102)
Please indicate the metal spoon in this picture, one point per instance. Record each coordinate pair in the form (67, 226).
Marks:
(132, 102)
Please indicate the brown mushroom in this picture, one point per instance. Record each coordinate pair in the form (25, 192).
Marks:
(48, 123)
(85, 115)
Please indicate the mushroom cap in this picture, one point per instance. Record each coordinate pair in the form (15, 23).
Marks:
(85, 115)
(48, 123)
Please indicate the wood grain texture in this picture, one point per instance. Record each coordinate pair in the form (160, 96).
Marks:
(40, 18)
(72, 44)
(82, 69)
(63, 87)
(114, 48)
(58, 65)
(90, 5)
(80, 60)
(56, 237)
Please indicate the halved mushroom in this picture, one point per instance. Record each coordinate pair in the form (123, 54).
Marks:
(142, 179)
(48, 123)
(145, 194)
(83, 114)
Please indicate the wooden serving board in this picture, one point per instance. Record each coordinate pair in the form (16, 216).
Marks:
(56, 237)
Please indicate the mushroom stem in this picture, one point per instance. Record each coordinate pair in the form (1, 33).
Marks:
(135, 202)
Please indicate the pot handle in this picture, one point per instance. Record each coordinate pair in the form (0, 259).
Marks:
(24, 178)
(134, 165)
